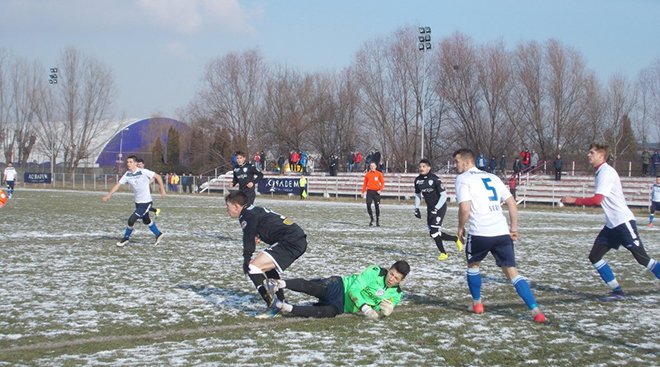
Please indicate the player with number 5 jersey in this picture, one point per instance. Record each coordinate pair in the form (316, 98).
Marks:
(480, 196)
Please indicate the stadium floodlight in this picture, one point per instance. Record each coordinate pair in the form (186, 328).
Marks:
(424, 44)
(52, 77)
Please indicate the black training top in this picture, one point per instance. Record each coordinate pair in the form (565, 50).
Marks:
(245, 174)
(430, 187)
(267, 226)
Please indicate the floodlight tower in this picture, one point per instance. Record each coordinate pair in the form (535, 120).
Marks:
(423, 45)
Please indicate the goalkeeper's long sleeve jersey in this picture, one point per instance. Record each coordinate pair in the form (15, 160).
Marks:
(368, 288)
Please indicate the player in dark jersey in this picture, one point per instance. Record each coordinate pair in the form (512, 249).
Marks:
(286, 242)
(428, 185)
(245, 175)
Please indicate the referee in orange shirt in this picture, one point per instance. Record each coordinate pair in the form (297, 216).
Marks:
(373, 185)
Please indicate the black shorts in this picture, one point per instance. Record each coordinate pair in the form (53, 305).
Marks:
(655, 206)
(334, 293)
(373, 196)
(284, 253)
(501, 247)
(624, 234)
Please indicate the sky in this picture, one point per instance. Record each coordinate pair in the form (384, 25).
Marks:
(157, 49)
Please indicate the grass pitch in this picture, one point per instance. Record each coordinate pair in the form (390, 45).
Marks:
(69, 296)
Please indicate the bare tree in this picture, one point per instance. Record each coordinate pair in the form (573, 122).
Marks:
(288, 108)
(395, 89)
(459, 72)
(335, 108)
(85, 95)
(566, 94)
(232, 95)
(19, 83)
(619, 102)
(495, 83)
(646, 115)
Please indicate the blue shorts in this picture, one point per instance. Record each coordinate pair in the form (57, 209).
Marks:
(334, 293)
(142, 209)
(501, 247)
(655, 206)
(624, 234)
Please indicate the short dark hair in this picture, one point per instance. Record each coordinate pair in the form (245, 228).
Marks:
(425, 161)
(240, 152)
(599, 147)
(465, 153)
(402, 267)
(133, 157)
(140, 160)
(236, 197)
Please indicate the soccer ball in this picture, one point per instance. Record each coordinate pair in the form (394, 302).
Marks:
(3, 198)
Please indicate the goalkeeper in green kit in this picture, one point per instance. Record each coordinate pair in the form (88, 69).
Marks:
(373, 293)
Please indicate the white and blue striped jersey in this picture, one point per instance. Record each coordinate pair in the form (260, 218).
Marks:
(486, 193)
(139, 183)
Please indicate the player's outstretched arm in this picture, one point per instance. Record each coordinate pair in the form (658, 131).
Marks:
(109, 194)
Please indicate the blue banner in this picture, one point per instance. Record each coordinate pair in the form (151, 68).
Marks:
(32, 177)
(279, 186)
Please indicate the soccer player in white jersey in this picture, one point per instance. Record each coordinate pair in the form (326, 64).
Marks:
(9, 176)
(138, 179)
(620, 224)
(655, 200)
(480, 196)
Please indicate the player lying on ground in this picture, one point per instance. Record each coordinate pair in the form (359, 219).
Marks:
(373, 293)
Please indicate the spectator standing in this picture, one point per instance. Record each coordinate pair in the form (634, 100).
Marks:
(280, 163)
(503, 165)
(526, 158)
(376, 157)
(513, 182)
(257, 161)
(646, 158)
(349, 161)
(558, 165)
(517, 166)
(655, 160)
(534, 160)
(481, 162)
(493, 164)
(334, 163)
(175, 181)
(357, 158)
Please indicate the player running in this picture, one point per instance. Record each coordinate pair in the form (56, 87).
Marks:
(9, 176)
(428, 185)
(140, 164)
(620, 223)
(245, 175)
(372, 291)
(373, 185)
(480, 196)
(655, 200)
(138, 179)
(286, 240)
